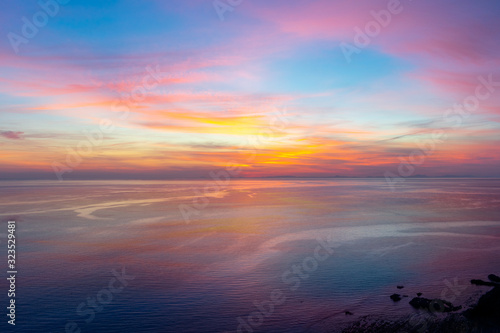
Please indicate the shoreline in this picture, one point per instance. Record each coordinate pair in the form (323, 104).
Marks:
(438, 316)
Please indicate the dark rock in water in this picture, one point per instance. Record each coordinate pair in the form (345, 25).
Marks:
(482, 318)
(487, 309)
(405, 295)
(420, 303)
(400, 287)
(433, 305)
(453, 323)
(484, 283)
(348, 313)
(494, 278)
(396, 297)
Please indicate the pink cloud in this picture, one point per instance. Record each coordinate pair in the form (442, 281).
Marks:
(451, 42)
(12, 135)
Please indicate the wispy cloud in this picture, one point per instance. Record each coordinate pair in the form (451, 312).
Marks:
(12, 135)
(220, 81)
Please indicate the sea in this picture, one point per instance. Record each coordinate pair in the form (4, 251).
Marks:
(241, 255)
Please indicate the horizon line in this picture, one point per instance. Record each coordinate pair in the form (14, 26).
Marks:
(243, 178)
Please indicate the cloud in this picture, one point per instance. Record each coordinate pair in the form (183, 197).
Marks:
(12, 135)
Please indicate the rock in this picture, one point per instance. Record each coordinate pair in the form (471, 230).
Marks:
(400, 287)
(395, 297)
(487, 309)
(494, 278)
(420, 303)
(483, 317)
(433, 305)
(405, 295)
(484, 283)
(348, 313)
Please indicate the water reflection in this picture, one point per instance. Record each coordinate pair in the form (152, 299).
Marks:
(202, 276)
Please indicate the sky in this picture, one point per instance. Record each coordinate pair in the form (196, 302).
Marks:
(305, 88)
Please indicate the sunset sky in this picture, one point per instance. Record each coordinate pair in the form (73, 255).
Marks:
(180, 88)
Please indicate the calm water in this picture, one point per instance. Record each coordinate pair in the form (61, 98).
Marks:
(315, 248)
